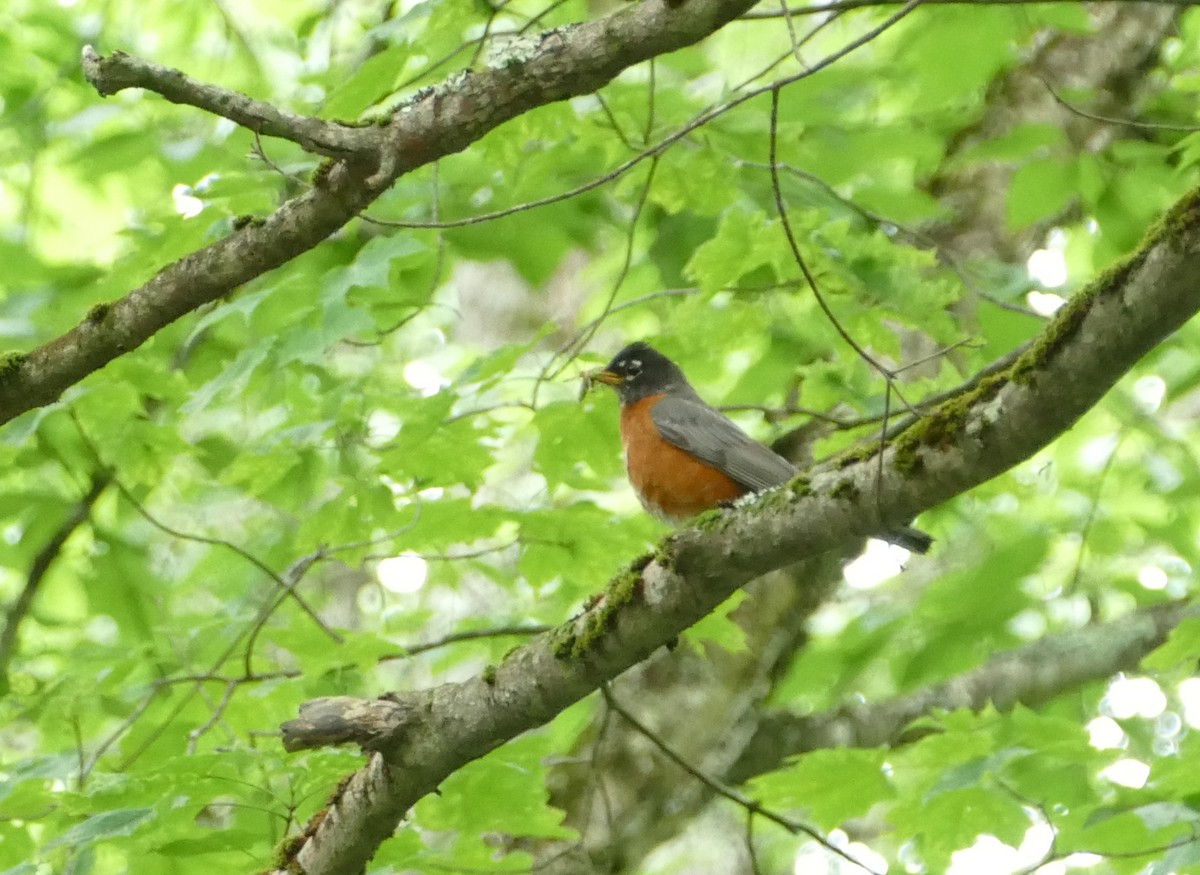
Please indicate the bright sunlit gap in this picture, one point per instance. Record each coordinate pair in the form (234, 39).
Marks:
(1045, 303)
(405, 573)
(186, 203)
(1127, 772)
(1189, 695)
(1134, 697)
(880, 561)
(1105, 733)
(812, 859)
(990, 856)
(382, 426)
(1048, 266)
(1126, 698)
(424, 377)
(1152, 577)
(1149, 392)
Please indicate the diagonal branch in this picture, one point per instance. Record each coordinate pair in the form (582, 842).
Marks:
(37, 573)
(421, 737)
(1028, 675)
(836, 6)
(546, 68)
(119, 71)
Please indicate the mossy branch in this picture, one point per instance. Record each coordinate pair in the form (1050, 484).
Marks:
(968, 440)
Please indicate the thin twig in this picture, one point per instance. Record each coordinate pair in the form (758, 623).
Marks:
(439, 268)
(503, 405)
(1109, 120)
(699, 121)
(450, 557)
(195, 735)
(379, 539)
(847, 5)
(487, 31)
(811, 279)
(37, 573)
(576, 344)
(202, 539)
(878, 220)
(260, 152)
(798, 256)
(531, 23)
(290, 580)
(1073, 585)
(234, 548)
(754, 867)
(616, 125)
(120, 730)
(265, 611)
(791, 29)
(721, 789)
(469, 635)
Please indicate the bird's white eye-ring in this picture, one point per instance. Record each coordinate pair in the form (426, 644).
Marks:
(633, 367)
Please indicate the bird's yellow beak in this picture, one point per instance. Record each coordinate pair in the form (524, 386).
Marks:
(600, 375)
(608, 378)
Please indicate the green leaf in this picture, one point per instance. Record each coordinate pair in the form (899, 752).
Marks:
(952, 821)
(1040, 190)
(719, 628)
(229, 382)
(374, 264)
(1182, 647)
(106, 825)
(831, 786)
(739, 247)
(578, 444)
(502, 792)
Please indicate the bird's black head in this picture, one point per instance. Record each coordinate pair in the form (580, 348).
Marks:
(640, 370)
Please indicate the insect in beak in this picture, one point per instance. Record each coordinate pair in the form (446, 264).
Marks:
(591, 378)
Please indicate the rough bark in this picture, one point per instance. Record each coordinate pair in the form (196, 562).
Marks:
(649, 805)
(558, 65)
(967, 441)
(1030, 675)
(1110, 63)
(553, 66)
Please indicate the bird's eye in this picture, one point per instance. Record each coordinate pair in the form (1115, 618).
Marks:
(633, 367)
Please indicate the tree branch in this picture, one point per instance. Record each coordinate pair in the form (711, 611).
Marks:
(119, 71)
(846, 5)
(37, 573)
(548, 67)
(1029, 675)
(1110, 61)
(1123, 314)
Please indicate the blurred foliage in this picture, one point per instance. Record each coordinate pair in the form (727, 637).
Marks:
(395, 392)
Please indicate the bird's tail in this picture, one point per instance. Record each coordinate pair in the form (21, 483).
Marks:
(908, 538)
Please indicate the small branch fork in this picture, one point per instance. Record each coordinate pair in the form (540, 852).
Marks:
(431, 733)
(565, 63)
(118, 71)
(752, 807)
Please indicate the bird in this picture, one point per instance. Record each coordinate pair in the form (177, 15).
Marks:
(684, 456)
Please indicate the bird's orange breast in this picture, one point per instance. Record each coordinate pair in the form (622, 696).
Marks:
(671, 483)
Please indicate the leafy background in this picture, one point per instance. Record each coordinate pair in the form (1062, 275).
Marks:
(410, 389)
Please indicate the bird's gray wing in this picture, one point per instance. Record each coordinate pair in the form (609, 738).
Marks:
(710, 436)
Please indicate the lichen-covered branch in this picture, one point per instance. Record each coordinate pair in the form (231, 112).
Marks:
(1109, 60)
(553, 66)
(118, 71)
(964, 442)
(1029, 676)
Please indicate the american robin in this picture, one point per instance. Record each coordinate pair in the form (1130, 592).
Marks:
(682, 455)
